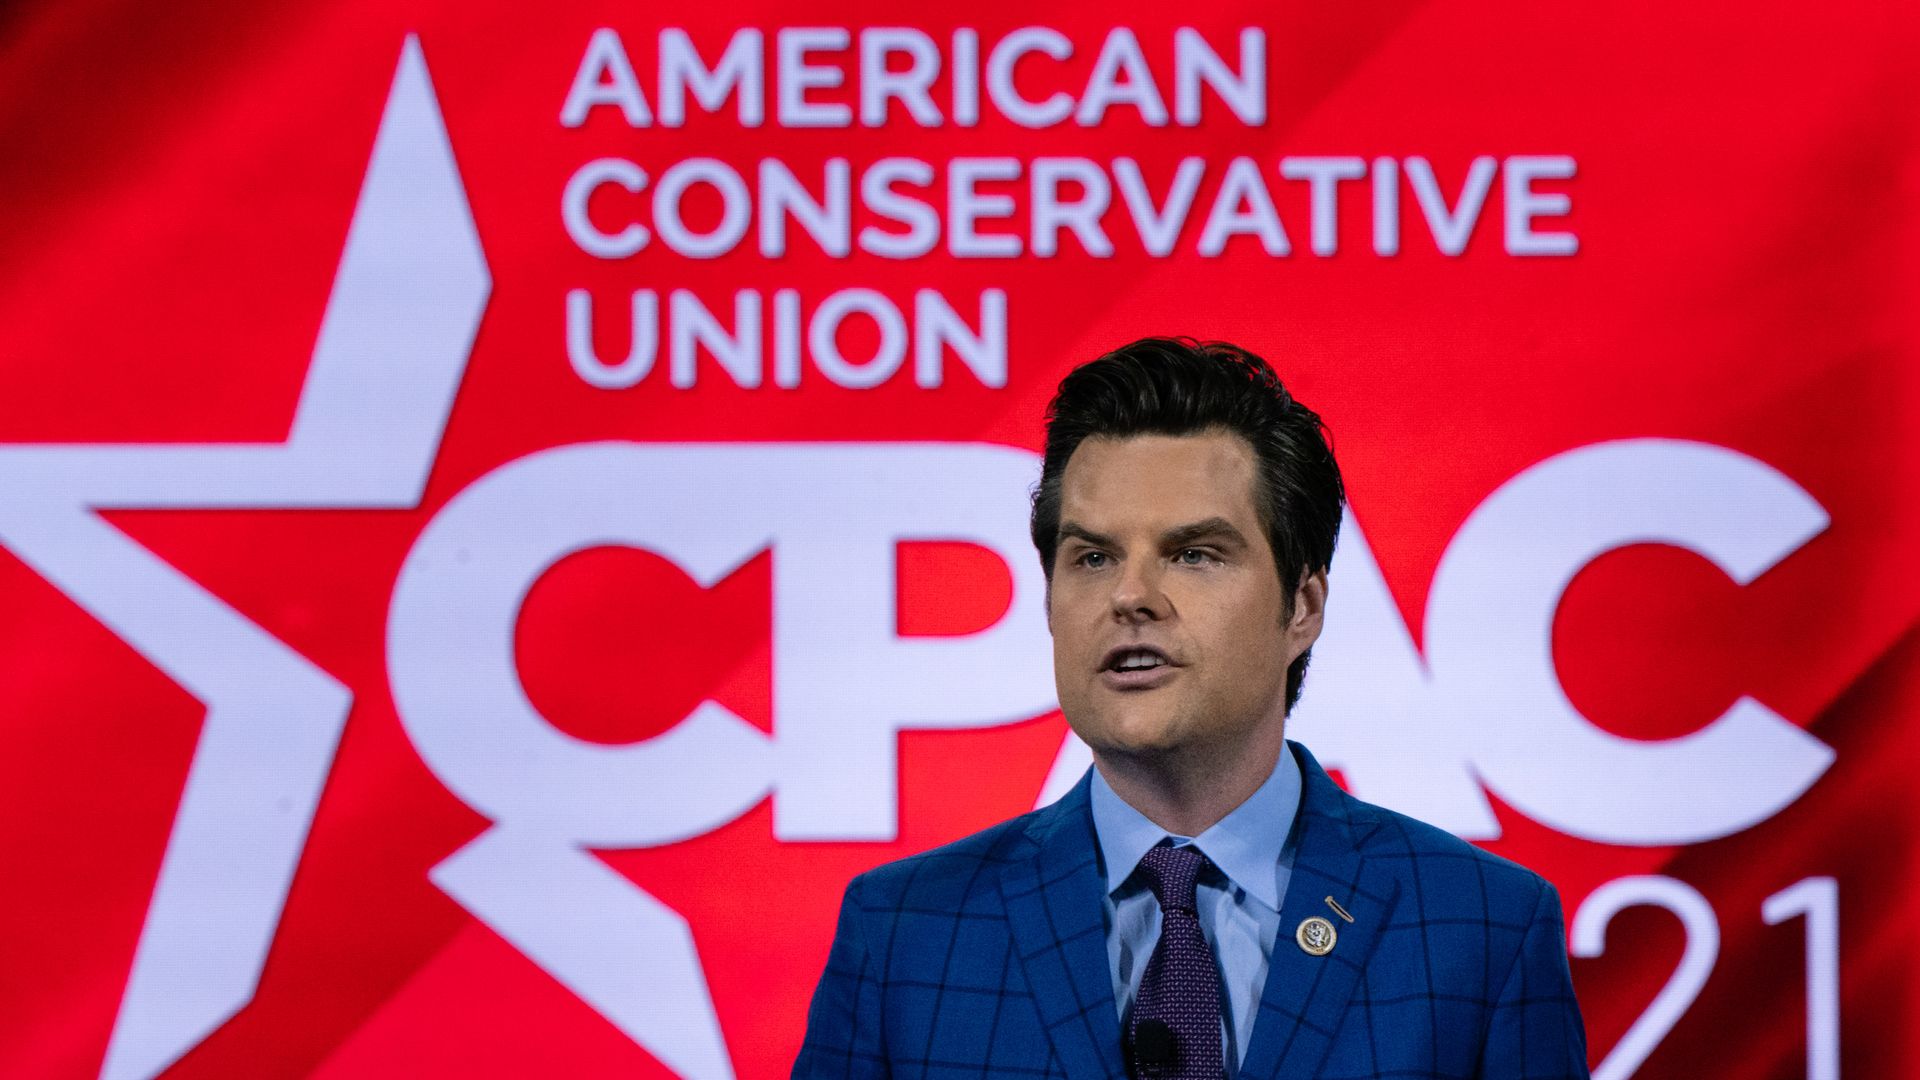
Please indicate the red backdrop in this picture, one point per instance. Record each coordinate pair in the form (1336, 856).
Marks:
(402, 680)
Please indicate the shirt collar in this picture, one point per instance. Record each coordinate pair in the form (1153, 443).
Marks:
(1246, 844)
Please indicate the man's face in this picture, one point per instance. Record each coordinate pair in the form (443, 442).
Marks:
(1165, 606)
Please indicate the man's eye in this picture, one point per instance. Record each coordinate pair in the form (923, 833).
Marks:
(1092, 559)
(1193, 557)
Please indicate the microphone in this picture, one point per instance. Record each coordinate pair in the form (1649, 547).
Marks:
(1154, 1044)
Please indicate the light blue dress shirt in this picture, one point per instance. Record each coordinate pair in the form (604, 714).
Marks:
(1238, 903)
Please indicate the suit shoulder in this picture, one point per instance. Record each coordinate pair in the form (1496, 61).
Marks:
(1444, 867)
(945, 877)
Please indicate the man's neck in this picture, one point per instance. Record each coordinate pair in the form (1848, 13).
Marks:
(1187, 794)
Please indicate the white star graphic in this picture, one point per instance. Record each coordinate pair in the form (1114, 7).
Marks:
(399, 327)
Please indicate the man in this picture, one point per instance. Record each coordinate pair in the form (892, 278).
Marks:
(1205, 902)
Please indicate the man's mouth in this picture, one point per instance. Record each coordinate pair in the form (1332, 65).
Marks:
(1135, 658)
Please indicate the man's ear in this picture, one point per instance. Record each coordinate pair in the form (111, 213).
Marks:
(1046, 603)
(1309, 607)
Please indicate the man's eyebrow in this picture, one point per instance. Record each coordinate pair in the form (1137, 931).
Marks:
(1081, 532)
(1213, 528)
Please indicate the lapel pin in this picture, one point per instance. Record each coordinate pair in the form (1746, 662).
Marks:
(1338, 910)
(1315, 936)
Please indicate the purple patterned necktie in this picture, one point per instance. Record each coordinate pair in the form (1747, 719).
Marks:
(1181, 987)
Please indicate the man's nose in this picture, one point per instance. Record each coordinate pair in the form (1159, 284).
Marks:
(1137, 594)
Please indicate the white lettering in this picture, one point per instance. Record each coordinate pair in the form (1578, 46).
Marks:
(1323, 176)
(1121, 56)
(695, 327)
(1195, 62)
(834, 515)
(828, 221)
(823, 338)
(578, 193)
(1386, 206)
(605, 77)
(1491, 612)
(922, 220)
(586, 362)
(736, 212)
(879, 84)
(1000, 86)
(937, 327)
(966, 77)
(966, 206)
(1243, 185)
(796, 76)
(1451, 226)
(739, 71)
(1051, 213)
(1523, 204)
(1159, 229)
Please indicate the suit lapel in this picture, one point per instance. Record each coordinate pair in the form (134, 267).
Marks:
(1054, 893)
(1306, 996)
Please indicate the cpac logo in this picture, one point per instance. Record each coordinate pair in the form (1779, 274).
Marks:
(1482, 709)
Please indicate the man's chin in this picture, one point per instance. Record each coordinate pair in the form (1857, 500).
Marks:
(1140, 739)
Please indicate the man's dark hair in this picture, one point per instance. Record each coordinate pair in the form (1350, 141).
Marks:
(1179, 386)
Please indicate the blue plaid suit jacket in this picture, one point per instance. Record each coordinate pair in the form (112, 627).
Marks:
(988, 957)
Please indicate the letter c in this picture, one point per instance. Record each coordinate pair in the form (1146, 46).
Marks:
(573, 208)
(450, 651)
(1490, 625)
